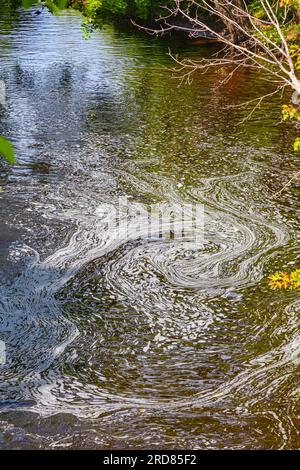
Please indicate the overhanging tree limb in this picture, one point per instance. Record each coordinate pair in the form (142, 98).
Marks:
(245, 39)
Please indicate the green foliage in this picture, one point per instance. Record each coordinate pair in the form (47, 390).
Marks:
(61, 4)
(297, 145)
(290, 113)
(143, 7)
(54, 6)
(295, 54)
(285, 9)
(112, 9)
(291, 33)
(287, 16)
(7, 150)
(284, 280)
(86, 31)
(256, 9)
(28, 3)
(294, 4)
(92, 7)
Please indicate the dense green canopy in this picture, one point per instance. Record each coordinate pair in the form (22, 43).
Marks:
(143, 9)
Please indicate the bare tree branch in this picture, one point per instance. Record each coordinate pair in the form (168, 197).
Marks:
(256, 48)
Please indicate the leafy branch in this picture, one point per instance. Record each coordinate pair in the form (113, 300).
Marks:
(7, 150)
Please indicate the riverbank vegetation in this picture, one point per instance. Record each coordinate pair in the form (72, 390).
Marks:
(258, 33)
(116, 10)
(107, 10)
(261, 34)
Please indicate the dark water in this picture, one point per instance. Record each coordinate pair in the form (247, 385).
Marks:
(142, 343)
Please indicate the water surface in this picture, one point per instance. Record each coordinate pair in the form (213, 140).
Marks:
(144, 342)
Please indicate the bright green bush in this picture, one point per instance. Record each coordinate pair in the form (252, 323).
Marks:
(112, 9)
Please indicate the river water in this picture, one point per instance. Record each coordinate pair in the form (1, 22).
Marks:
(142, 342)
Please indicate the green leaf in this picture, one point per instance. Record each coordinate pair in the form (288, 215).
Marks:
(297, 145)
(7, 151)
